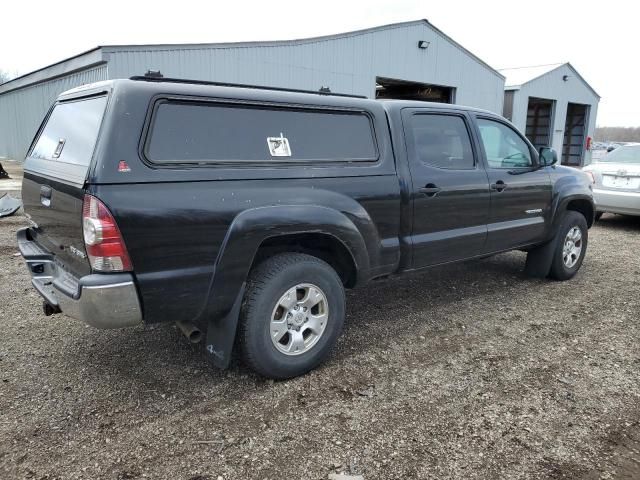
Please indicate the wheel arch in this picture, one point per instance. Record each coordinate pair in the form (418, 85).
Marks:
(583, 206)
(323, 245)
(580, 203)
(252, 236)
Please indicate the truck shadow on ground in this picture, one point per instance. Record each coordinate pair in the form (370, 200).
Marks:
(377, 314)
(620, 222)
(426, 301)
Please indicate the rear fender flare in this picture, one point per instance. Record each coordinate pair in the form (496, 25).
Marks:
(247, 232)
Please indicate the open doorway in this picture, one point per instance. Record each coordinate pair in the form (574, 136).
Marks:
(405, 90)
(539, 120)
(574, 132)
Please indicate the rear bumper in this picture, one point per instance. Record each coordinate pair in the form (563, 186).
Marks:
(101, 300)
(616, 201)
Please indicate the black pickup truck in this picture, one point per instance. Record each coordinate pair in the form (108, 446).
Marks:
(242, 213)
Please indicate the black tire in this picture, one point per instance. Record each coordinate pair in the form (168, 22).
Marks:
(598, 216)
(559, 270)
(267, 283)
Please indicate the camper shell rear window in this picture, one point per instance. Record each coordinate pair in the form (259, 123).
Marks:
(71, 131)
(64, 147)
(213, 132)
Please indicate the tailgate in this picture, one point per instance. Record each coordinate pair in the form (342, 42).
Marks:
(55, 172)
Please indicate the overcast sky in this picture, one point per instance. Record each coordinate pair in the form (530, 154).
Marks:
(599, 38)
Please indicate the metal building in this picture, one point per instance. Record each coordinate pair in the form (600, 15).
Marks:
(555, 107)
(404, 60)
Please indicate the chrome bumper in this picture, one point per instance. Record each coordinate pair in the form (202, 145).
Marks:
(101, 300)
(617, 201)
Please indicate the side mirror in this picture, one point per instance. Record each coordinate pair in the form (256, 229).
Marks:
(548, 156)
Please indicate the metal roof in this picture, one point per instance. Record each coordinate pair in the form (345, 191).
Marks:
(100, 54)
(69, 65)
(305, 41)
(518, 76)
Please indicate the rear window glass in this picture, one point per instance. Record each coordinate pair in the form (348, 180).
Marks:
(442, 141)
(187, 132)
(71, 132)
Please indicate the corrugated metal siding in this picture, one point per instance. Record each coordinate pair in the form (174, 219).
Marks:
(22, 111)
(552, 87)
(347, 64)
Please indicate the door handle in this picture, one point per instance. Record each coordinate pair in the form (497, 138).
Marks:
(499, 186)
(430, 189)
(45, 195)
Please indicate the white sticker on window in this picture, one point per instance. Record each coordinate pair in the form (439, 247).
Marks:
(279, 146)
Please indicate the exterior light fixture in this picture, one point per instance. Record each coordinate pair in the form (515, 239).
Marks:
(565, 78)
(423, 44)
(153, 74)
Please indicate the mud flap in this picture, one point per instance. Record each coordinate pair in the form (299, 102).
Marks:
(221, 334)
(538, 264)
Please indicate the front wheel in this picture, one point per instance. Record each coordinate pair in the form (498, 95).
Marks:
(292, 315)
(571, 246)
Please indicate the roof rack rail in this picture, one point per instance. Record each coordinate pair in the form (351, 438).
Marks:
(323, 91)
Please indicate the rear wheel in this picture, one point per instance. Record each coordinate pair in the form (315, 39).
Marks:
(292, 315)
(570, 247)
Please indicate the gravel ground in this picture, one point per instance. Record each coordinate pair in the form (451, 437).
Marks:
(469, 371)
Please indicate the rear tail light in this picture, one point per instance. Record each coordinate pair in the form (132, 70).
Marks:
(102, 238)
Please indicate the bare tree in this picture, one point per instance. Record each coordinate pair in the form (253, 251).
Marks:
(618, 134)
(5, 76)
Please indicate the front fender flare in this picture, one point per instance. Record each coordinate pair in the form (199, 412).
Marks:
(563, 200)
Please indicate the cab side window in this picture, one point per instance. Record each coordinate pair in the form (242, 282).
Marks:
(442, 141)
(503, 146)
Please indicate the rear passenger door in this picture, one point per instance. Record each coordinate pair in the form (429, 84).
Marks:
(449, 187)
(520, 187)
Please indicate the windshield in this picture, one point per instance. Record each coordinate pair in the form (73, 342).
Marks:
(626, 154)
